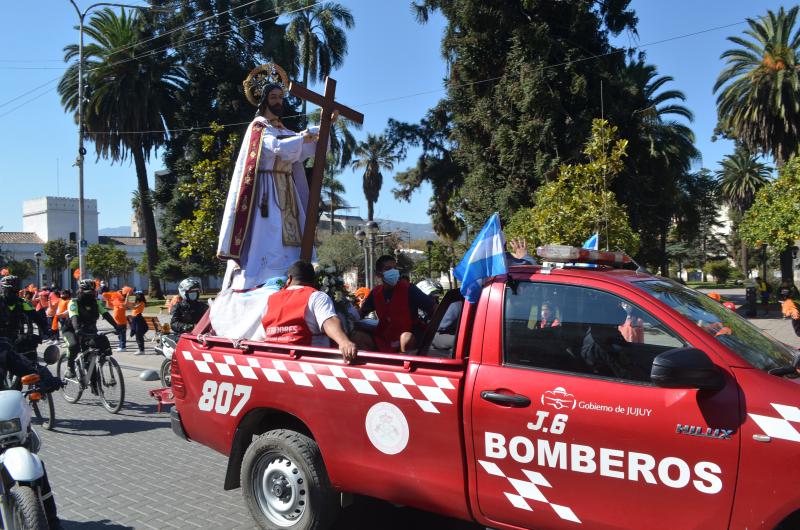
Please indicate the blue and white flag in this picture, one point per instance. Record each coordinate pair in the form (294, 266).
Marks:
(592, 242)
(484, 259)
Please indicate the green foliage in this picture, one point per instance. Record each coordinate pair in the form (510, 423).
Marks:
(774, 218)
(206, 189)
(342, 252)
(54, 252)
(577, 203)
(759, 90)
(373, 155)
(107, 261)
(721, 270)
(20, 269)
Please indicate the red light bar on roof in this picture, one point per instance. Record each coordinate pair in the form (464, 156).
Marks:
(568, 254)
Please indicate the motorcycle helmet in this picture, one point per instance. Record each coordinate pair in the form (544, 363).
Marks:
(430, 287)
(87, 284)
(9, 285)
(189, 285)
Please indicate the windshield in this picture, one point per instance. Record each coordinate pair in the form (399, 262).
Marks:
(749, 342)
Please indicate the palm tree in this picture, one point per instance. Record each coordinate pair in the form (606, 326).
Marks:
(315, 31)
(741, 176)
(374, 155)
(759, 90)
(661, 148)
(334, 191)
(131, 98)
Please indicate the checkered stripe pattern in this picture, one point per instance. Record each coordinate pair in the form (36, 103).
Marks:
(784, 427)
(425, 391)
(528, 490)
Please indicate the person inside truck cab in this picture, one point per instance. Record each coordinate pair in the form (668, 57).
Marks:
(547, 317)
(300, 314)
(397, 303)
(189, 310)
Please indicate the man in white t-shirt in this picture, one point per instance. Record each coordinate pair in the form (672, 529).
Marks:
(299, 314)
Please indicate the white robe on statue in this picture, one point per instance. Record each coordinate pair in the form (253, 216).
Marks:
(264, 255)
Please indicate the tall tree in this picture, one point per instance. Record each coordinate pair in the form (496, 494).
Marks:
(759, 90)
(373, 155)
(131, 99)
(316, 30)
(740, 177)
(661, 147)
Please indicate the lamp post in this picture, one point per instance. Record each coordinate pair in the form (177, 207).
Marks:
(429, 244)
(81, 149)
(38, 256)
(372, 232)
(68, 257)
(361, 236)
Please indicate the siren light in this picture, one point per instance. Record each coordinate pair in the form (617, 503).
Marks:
(569, 254)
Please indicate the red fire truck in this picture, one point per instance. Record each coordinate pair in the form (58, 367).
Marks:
(642, 404)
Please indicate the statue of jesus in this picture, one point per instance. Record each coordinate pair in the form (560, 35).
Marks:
(265, 210)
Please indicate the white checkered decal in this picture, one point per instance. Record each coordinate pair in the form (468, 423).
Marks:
(528, 490)
(425, 391)
(784, 427)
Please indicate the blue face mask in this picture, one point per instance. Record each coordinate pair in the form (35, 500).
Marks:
(192, 296)
(391, 277)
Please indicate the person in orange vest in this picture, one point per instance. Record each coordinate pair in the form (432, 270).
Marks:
(117, 302)
(397, 303)
(300, 314)
(62, 312)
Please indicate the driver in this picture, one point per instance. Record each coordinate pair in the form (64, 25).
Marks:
(84, 310)
(188, 312)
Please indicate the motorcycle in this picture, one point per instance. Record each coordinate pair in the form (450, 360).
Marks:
(166, 347)
(26, 501)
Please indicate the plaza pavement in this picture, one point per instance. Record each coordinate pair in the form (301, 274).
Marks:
(129, 471)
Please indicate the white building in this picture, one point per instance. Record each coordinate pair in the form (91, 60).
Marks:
(57, 218)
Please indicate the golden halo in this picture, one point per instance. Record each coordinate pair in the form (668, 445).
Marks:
(260, 77)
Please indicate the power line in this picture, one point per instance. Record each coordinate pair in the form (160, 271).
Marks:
(27, 101)
(12, 100)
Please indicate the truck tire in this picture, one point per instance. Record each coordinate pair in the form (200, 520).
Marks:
(285, 484)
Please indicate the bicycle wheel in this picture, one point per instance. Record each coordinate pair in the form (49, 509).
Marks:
(45, 410)
(112, 386)
(72, 389)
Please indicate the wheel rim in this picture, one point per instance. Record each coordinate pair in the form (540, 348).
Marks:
(109, 386)
(280, 488)
(71, 391)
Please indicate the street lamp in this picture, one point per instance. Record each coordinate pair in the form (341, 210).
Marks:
(38, 256)
(429, 244)
(81, 149)
(68, 258)
(361, 236)
(372, 232)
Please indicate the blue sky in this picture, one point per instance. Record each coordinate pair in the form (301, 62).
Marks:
(394, 69)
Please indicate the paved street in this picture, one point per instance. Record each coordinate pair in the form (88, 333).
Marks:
(131, 471)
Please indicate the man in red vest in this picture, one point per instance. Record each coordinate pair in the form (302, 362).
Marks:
(301, 315)
(397, 303)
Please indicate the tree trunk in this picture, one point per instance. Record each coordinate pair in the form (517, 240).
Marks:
(787, 269)
(306, 64)
(370, 210)
(149, 228)
(333, 212)
(663, 250)
(745, 266)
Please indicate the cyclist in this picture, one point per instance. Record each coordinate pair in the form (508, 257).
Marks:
(16, 316)
(81, 331)
(188, 312)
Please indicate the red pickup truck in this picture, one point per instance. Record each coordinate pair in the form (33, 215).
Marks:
(635, 402)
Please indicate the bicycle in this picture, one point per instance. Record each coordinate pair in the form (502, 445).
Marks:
(96, 370)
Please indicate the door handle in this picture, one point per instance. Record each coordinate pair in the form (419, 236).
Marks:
(507, 400)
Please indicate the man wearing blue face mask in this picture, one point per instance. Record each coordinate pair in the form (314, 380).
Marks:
(397, 303)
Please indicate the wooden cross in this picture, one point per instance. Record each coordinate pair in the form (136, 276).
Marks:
(327, 105)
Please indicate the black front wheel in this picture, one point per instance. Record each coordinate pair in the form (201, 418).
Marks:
(285, 484)
(26, 510)
(45, 411)
(111, 386)
(72, 389)
(166, 367)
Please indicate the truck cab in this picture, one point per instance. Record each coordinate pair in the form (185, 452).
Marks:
(595, 397)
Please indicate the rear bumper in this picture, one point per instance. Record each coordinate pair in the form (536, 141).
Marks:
(177, 427)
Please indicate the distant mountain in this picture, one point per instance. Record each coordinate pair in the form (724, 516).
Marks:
(124, 231)
(417, 230)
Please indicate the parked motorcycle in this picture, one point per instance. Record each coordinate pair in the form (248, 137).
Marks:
(26, 501)
(166, 347)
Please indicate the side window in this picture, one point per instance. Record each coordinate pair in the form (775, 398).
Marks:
(581, 330)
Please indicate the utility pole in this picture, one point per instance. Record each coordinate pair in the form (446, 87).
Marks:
(82, 150)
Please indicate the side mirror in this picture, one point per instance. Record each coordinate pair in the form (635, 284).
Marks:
(686, 368)
(51, 354)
